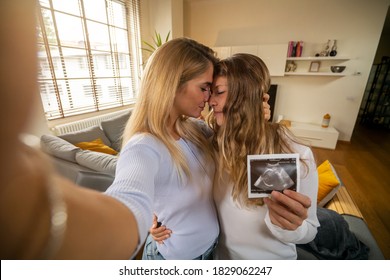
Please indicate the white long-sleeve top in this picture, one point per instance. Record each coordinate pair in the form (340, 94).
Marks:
(248, 233)
(147, 182)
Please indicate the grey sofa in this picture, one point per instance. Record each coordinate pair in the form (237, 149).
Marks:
(85, 167)
(97, 170)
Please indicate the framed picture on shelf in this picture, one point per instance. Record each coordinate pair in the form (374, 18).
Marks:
(314, 66)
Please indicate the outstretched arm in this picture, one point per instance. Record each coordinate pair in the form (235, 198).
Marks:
(87, 225)
(76, 223)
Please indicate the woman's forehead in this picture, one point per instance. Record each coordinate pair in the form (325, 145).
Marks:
(219, 81)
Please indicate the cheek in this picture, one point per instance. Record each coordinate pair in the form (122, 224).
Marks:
(191, 98)
(220, 119)
(192, 101)
(222, 100)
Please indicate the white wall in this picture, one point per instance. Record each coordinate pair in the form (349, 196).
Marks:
(162, 16)
(356, 24)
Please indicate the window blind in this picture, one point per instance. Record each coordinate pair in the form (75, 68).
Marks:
(89, 54)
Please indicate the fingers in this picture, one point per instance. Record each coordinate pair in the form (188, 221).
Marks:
(267, 111)
(282, 216)
(298, 197)
(266, 107)
(266, 97)
(159, 232)
(154, 225)
(288, 210)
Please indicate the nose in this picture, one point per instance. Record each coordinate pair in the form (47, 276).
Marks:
(212, 101)
(207, 94)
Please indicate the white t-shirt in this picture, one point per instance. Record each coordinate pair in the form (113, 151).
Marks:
(146, 175)
(249, 233)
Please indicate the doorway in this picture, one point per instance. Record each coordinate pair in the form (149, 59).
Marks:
(375, 107)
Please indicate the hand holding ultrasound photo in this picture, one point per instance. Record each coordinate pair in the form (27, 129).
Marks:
(267, 173)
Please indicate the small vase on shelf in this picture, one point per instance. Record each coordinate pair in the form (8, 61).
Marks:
(333, 52)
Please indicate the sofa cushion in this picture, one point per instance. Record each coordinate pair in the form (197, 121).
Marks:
(113, 128)
(96, 145)
(86, 135)
(59, 148)
(328, 183)
(97, 161)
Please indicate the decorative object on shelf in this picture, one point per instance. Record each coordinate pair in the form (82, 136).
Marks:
(314, 66)
(325, 51)
(333, 52)
(295, 49)
(326, 120)
(286, 123)
(291, 66)
(337, 69)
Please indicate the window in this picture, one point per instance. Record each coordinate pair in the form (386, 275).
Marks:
(89, 55)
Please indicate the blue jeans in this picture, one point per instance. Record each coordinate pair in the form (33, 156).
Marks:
(151, 253)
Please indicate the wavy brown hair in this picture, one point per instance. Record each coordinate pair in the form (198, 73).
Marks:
(245, 131)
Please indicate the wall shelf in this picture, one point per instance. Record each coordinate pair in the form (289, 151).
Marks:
(314, 74)
(304, 62)
(318, 58)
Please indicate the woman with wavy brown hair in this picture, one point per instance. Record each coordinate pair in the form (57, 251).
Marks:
(261, 228)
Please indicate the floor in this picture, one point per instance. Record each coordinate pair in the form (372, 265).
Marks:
(363, 164)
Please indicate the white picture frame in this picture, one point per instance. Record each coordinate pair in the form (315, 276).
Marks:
(315, 66)
(270, 172)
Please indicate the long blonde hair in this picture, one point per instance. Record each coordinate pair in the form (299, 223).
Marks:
(170, 67)
(245, 131)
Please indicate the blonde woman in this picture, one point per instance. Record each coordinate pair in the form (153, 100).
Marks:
(166, 154)
(262, 228)
(45, 216)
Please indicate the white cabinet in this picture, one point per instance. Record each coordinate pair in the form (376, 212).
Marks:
(273, 55)
(223, 52)
(303, 65)
(315, 135)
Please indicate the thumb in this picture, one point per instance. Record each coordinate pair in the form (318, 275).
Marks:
(154, 221)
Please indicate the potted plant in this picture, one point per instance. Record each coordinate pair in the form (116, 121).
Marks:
(157, 42)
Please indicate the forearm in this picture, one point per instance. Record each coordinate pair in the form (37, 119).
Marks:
(302, 234)
(97, 226)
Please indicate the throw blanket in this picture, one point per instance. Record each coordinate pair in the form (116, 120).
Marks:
(334, 240)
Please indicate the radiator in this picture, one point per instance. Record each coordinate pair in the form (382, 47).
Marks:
(85, 123)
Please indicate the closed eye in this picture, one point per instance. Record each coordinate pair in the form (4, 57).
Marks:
(217, 92)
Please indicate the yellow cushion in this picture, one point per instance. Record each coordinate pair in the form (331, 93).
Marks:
(96, 145)
(328, 183)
